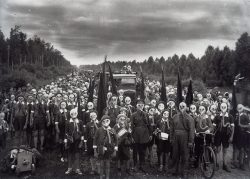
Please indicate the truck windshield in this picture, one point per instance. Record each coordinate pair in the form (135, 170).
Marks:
(128, 81)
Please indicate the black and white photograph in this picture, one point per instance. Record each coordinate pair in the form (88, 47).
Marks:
(124, 89)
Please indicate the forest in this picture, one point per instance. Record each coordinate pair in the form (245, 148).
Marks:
(29, 60)
(217, 67)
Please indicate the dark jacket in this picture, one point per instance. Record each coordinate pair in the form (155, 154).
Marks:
(183, 122)
(74, 131)
(140, 127)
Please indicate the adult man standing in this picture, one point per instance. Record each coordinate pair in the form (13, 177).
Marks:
(141, 133)
(181, 137)
(113, 111)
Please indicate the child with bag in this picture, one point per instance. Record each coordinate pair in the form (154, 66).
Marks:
(73, 142)
(105, 145)
(3, 131)
(124, 143)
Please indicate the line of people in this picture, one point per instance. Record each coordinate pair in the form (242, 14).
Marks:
(60, 114)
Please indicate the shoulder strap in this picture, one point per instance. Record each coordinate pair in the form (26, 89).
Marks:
(183, 123)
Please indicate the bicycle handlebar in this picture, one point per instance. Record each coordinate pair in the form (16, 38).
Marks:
(204, 133)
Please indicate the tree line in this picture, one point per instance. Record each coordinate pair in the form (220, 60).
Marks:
(217, 67)
(29, 60)
(17, 50)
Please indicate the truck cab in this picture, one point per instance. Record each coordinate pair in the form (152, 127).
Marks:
(126, 82)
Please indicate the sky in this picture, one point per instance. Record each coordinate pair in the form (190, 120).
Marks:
(87, 30)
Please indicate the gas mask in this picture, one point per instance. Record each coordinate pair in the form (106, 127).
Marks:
(90, 105)
(182, 107)
(109, 95)
(161, 106)
(71, 98)
(240, 108)
(121, 92)
(165, 114)
(114, 100)
(120, 98)
(151, 111)
(59, 97)
(213, 109)
(73, 113)
(30, 99)
(223, 107)
(153, 103)
(146, 108)
(127, 100)
(63, 105)
(208, 96)
(106, 122)
(20, 99)
(192, 108)
(122, 123)
(199, 96)
(140, 106)
(171, 104)
(202, 110)
(93, 116)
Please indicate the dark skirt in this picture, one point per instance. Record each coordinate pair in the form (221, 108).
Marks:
(74, 147)
(19, 123)
(90, 150)
(123, 152)
(163, 146)
(39, 124)
(62, 131)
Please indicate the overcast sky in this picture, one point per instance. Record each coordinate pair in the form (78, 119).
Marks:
(85, 30)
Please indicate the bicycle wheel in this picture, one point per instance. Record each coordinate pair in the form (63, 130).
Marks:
(207, 162)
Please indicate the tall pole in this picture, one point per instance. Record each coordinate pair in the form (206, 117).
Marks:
(8, 56)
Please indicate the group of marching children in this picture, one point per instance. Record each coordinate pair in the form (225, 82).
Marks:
(61, 113)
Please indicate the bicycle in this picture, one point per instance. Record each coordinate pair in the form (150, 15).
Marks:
(207, 159)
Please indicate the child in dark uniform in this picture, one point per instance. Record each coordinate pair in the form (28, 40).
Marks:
(164, 146)
(60, 123)
(91, 129)
(73, 142)
(3, 131)
(241, 135)
(224, 123)
(105, 142)
(124, 142)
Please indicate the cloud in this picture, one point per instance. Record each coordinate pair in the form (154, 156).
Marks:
(86, 30)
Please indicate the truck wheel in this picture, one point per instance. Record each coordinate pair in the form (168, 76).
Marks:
(33, 169)
(18, 171)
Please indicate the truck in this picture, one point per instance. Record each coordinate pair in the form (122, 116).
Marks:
(127, 83)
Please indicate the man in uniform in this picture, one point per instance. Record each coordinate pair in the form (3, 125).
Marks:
(181, 137)
(141, 133)
(113, 110)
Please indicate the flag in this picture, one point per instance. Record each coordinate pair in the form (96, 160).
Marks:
(142, 86)
(91, 90)
(78, 100)
(101, 101)
(234, 103)
(163, 88)
(179, 91)
(189, 97)
(113, 86)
